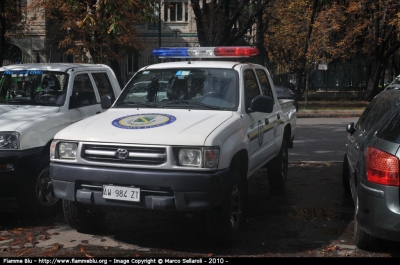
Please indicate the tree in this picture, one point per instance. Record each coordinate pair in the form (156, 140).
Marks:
(226, 22)
(289, 38)
(98, 28)
(368, 28)
(11, 19)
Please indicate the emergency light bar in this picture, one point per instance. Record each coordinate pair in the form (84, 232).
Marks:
(206, 52)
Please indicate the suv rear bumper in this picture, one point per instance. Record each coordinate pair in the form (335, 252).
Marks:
(379, 211)
(160, 189)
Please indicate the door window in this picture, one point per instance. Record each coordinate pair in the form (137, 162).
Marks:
(103, 83)
(251, 88)
(264, 82)
(373, 113)
(391, 129)
(83, 92)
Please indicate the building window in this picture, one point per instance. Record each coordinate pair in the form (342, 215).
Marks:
(174, 11)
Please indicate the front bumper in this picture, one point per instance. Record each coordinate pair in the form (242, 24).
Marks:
(160, 189)
(24, 163)
(379, 211)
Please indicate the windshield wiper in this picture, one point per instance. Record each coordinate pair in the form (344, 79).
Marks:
(194, 103)
(138, 103)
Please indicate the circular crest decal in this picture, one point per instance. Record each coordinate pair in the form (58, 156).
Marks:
(143, 121)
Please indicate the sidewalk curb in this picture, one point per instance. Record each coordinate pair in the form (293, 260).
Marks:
(328, 113)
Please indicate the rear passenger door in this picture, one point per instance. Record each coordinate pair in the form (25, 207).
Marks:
(273, 129)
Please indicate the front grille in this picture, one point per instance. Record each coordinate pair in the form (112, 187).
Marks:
(135, 155)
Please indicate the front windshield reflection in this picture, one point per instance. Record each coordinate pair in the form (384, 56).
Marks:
(33, 87)
(182, 88)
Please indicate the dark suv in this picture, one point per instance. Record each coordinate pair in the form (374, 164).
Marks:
(371, 171)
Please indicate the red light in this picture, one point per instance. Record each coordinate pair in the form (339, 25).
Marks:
(236, 51)
(382, 168)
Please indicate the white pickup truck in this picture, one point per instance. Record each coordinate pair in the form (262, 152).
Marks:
(185, 141)
(36, 101)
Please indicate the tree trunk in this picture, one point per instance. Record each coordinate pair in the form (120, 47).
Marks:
(306, 92)
(115, 66)
(374, 77)
(201, 32)
(2, 31)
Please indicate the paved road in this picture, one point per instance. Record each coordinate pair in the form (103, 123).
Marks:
(310, 218)
(320, 139)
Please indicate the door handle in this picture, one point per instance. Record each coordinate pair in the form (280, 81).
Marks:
(279, 116)
(266, 121)
(98, 112)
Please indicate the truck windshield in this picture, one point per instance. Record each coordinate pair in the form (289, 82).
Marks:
(182, 88)
(35, 87)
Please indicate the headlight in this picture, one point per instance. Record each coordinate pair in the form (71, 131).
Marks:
(9, 140)
(67, 150)
(199, 157)
(190, 157)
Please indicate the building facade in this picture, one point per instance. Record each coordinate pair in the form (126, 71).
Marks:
(177, 29)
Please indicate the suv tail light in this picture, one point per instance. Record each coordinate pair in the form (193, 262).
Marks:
(382, 168)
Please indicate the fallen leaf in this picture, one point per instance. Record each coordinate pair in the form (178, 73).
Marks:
(29, 250)
(106, 247)
(332, 248)
(87, 255)
(44, 237)
(3, 238)
(137, 255)
(82, 249)
(56, 247)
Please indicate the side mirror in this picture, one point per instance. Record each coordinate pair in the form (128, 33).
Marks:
(261, 103)
(350, 128)
(106, 101)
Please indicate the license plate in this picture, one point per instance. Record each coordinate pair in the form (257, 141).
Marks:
(121, 193)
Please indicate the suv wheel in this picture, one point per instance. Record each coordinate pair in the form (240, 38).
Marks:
(362, 239)
(277, 168)
(224, 221)
(345, 176)
(80, 216)
(37, 195)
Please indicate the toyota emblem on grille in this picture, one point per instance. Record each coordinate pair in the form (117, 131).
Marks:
(121, 153)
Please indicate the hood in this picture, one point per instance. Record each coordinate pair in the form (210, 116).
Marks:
(147, 126)
(14, 116)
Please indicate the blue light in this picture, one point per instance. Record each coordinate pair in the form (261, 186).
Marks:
(171, 52)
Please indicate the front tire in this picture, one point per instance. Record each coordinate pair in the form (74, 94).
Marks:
(37, 194)
(224, 221)
(80, 216)
(277, 168)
